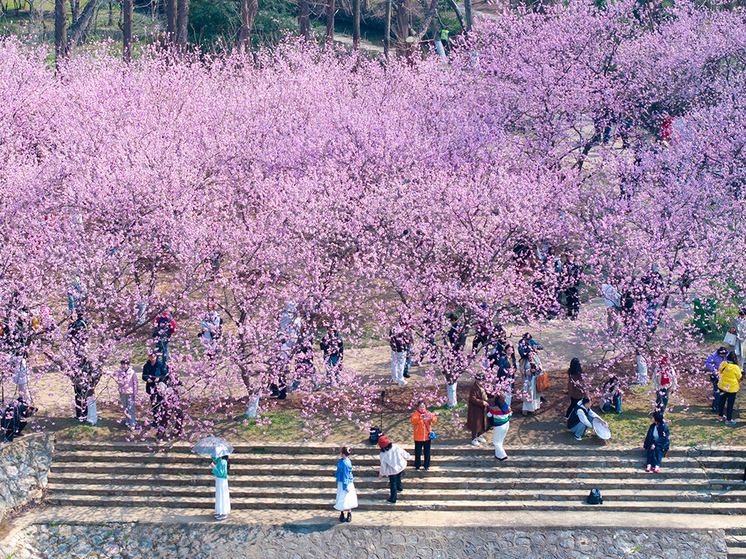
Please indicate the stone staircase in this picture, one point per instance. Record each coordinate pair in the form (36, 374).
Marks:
(735, 540)
(461, 478)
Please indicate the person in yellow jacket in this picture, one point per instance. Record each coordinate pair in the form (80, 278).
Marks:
(730, 374)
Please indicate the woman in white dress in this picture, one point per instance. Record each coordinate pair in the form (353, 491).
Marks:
(346, 494)
(222, 497)
(531, 398)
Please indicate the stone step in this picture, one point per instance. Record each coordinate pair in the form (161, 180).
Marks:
(294, 495)
(298, 449)
(437, 459)
(414, 479)
(738, 542)
(405, 503)
(488, 469)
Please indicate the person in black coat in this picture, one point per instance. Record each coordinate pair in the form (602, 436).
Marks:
(656, 442)
(14, 418)
(154, 372)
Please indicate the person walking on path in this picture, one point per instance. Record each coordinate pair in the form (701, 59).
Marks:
(333, 348)
(423, 425)
(575, 385)
(476, 415)
(730, 374)
(532, 398)
(393, 461)
(500, 415)
(740, 346)
(154, 373)
(222, 496)
(346, 494)
(163, 328)
(664, 380)
(399, 343)
(210, 329)
(526, 347)
(128, 387)
(712, 365)
(656, 443)
(580, 418)
(21, 375)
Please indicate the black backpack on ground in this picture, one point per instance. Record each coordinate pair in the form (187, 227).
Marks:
(594, 498)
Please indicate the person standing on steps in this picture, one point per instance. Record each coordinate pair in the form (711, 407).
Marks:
(393, 462)
(730, 374)
(346, 494)
(476, 415)
(222, 496)
(500, 414)
(656, 442)
(423, 425)
(575, 385)
(580, 418)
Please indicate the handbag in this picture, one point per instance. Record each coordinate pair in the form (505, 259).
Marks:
(430, 433)
(730, 338)
(542, 382)
(594, 498)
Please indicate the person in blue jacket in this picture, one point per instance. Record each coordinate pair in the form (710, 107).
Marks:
(346, 494)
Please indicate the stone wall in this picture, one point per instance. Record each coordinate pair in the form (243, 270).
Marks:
(217, 541)
(24, 465)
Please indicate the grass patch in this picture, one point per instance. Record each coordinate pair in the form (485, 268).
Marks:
(279, 425)
(80, 432)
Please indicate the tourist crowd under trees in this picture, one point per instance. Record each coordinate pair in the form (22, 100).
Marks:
(271, 201)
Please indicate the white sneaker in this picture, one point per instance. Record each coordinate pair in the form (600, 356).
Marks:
(481, 439)
(475, 442)
(402, 383)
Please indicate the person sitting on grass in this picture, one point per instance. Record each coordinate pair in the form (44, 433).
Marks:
(611, 397)
(656, 442)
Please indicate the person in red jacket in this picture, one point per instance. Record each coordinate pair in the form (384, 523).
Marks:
(423, 425)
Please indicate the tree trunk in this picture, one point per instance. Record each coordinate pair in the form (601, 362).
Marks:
(182, 23)
(75, 9)
(127, 31)
(82, 24)
(453, 5)
(304, 18)
(60, 31)
(171, 20)
(111, 13)
(467, 14)
(387, 30)
(402, 26)
(356, 7)
(248, 13)
(330, 7)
